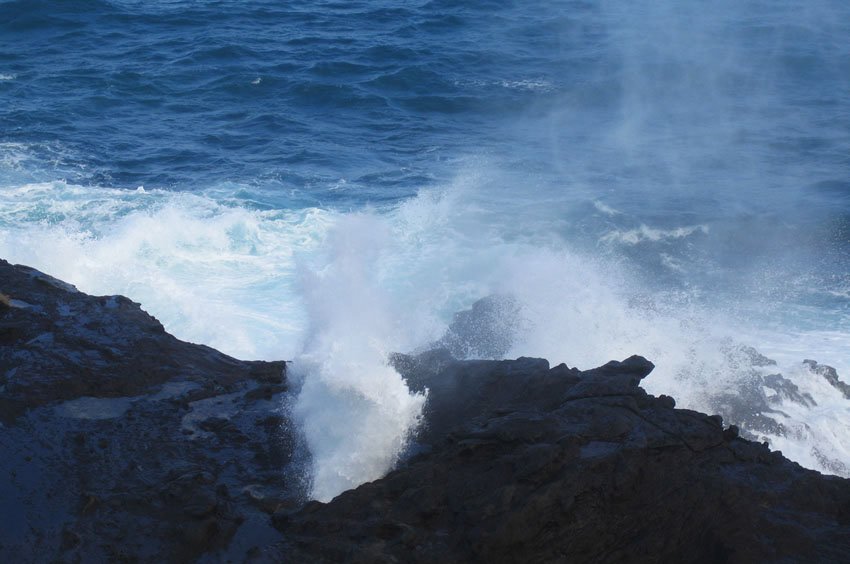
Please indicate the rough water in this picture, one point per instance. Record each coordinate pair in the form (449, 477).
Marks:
(330, 182)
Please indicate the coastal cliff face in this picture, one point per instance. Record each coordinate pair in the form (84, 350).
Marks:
(121, 443)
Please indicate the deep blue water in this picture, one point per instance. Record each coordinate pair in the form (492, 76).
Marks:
(293, 96)
(646, 176)
(182, 95)
(667, 112)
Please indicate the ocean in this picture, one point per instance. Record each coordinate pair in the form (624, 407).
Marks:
(329, 182)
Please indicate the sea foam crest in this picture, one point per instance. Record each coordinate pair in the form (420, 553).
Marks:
(216, 274)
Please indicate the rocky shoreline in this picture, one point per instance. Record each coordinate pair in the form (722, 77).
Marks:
(121, 443)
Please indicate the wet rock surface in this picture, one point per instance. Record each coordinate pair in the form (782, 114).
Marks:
(121, 443)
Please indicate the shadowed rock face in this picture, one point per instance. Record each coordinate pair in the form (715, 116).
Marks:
(121, 443)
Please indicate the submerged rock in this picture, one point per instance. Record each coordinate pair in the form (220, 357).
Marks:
(755, 396)
(830, 374)
(121, 443)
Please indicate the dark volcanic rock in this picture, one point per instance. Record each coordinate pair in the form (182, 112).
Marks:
(523, 463)
(57, 343)
(121, 443)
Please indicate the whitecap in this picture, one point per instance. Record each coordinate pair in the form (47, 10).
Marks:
(648, 234)
(604, 208)
(538, 85)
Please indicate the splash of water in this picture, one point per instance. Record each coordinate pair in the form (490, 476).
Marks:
(355, 411)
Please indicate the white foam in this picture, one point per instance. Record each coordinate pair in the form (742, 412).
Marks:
(644, 233)
(604, 208)
(213, 274)
(527, 84)
(534, 85)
